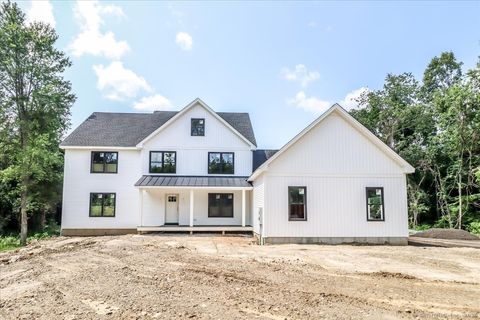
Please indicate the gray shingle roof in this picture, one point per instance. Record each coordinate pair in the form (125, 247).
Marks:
(191, 181)
(109, 129)
(260, 156)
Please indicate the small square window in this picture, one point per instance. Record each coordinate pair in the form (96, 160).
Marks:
(198, 127)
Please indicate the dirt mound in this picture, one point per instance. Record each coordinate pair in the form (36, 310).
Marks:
(438, 233)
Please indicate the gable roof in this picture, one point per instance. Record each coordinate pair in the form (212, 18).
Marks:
(352, 121)
(108, 129)
(237, 126)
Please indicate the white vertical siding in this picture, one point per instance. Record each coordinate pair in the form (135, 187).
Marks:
(258, 203)
(336, 163)
(78, 183)
(192, 152)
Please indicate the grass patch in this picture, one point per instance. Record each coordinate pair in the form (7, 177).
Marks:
(9, 243)
(12, 242)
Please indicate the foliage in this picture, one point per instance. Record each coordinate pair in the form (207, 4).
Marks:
(35, 105)
(474, 227)
(52, 229)
(435, 126)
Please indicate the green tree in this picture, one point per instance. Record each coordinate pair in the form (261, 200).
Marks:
(35, 103)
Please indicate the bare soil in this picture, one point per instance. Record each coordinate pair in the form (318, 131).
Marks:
(454, 234)
(215, 277)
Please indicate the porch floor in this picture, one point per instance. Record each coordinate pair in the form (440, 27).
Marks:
(186, 228)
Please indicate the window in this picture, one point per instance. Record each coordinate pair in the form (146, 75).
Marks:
(163, 162)
(198, 127)
(221, 162)
(102, 204)
(297, 203)
(375, 209)
(104, 162)
(220, 205)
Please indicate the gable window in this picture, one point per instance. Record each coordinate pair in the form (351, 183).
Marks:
(198, 127)
(102, 205)
(163, 162)
(104, 162)
(375, 205)
(221, 163)
(220, 205)
(297, 203)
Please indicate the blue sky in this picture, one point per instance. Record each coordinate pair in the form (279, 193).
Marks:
(284, 63)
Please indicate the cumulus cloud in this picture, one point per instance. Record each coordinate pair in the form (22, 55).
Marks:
(310, 104)
(300, 74)
(184, 41)
(350, 100)
(119, 83)
(91, 40)
(154, 102)
(316, 105)
(41, 11)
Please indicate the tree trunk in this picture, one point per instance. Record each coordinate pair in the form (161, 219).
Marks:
(460, 213)
(23, 217)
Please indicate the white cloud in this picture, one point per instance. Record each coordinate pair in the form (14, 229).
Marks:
(316, 105)
(350, 99)
(154, 102)
(300, 74)
(310, 104)
(184, 40)
(41, 11)
(119, 83)
(89, 14)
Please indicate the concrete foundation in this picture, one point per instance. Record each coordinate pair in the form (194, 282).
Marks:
(96, 232)
(396, 241)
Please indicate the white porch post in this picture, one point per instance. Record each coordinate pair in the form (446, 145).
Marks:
(140, 204)
(191, 207)
(243, 207)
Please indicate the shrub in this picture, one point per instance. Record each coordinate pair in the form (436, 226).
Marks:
(474, 227)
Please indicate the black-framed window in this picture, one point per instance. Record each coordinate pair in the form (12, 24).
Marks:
(163, 162)
(220, 205)
(221, 163)
(102, 204)
(375, 204)
(198, 127)
(297, 203)
(104, 162)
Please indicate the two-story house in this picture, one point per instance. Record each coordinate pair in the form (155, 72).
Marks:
(200, 170)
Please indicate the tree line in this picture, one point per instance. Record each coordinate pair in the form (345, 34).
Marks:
(434, 124)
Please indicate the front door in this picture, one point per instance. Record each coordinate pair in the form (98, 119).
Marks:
(171, 211)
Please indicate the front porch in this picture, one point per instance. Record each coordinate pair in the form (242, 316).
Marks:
(211, 204)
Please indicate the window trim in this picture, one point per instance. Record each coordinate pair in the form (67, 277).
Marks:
(233, 204)
(383, 204)
(91, 162)
(221, 152)
(304, 205)
(103, 194)
(191, 126)
(163, 161)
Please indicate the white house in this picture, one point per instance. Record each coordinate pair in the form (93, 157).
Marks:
(200, 170)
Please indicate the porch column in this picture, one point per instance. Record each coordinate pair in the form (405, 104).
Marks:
(140, 205)
(191, 207)
(243, 207)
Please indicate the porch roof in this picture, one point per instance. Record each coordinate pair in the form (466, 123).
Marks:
(193, 181)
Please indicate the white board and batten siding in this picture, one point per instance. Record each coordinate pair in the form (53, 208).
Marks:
(192, 152)
(335, 162)
(79, 183)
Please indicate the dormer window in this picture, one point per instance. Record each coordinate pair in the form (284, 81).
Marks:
(198, 127)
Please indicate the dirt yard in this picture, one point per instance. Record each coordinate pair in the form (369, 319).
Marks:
(214, 277)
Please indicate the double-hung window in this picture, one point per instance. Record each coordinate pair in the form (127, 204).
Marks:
(297, 203)
(220, 205)
(104, 162)
(375, 204)
(221, 163)
(102, 204)
(163, 162)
